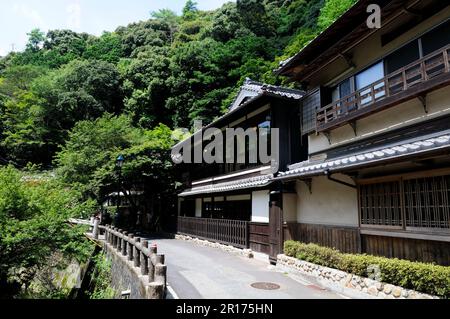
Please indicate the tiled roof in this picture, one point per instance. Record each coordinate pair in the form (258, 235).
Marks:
(397, 150)
(261, 88)
(245, 183)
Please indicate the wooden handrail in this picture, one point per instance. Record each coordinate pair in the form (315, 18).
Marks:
(419, 71)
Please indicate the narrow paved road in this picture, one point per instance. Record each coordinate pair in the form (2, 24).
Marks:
(196, 272)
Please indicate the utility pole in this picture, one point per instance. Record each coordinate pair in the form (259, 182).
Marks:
(13, 47)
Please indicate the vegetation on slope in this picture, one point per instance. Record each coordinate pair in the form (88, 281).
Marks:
(70, 103)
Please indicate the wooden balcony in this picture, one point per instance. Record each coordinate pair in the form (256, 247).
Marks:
(412, 81)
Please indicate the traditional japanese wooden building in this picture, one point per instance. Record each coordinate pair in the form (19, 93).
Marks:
(364, 161)
(229, 202)
(377, 119)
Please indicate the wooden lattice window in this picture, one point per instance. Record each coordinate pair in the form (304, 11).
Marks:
(380, 204)
(418, 202)
(427, 202)
(310, 104)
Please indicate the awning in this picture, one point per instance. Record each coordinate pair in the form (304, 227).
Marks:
(246, 183)
(398, 151)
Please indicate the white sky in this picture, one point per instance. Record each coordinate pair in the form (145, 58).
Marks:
(19, 17)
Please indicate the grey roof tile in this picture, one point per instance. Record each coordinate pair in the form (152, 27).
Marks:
(426, 144)
(251, 182)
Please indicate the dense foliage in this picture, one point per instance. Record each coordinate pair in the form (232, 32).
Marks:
(34, 210)
(428, 278)
(100, 283)
(70, 103)
(169, 69)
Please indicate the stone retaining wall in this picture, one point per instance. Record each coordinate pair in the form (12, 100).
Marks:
(136, 266)
(341, 281)
(124, 276)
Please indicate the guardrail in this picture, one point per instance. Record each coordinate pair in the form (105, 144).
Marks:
(143, 255)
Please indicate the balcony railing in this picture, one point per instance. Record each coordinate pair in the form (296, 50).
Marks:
(415, 79)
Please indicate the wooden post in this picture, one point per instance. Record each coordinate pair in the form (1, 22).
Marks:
(144, 259)
(160, 273)
(124, 243)
(120, 240)
(137, 253)
(155, 290)
(151, 264)
(446, 64)
(114, 237)
(159, 259)
(111, 236)
(130, 247)
(95, 230)
(106, 233)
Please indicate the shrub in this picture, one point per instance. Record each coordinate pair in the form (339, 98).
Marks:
(424, 277)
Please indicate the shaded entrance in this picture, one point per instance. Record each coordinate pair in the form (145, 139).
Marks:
(275, 226)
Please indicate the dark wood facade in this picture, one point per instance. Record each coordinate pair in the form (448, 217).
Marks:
(407, 248)
(345, 239)
(225, 231)
(350, 240)
(259, 237)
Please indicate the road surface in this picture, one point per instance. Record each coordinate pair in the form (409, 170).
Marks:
(198, 272)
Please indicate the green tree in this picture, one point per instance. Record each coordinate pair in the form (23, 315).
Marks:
(332, 10)
(33, 225)
(35, 40)
(168, 17)
(106, 48)
(190, 9)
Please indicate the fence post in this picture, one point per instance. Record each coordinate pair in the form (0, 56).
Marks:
(95, 230)
(155, 290)
(130, 247)
(136, 252)
(144, 259)
(119, 240)
(160, 274)
(124, 243)
(114, 237)
(247, 234)
(151, 266)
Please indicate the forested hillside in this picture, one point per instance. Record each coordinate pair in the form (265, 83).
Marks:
(70, 103)
(169, 69)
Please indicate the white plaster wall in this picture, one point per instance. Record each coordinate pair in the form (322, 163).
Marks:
(405, 114)
(198, 207)
(260, 206)
(329, 204)
(289, 207)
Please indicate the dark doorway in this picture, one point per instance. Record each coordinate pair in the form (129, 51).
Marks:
(275, 227)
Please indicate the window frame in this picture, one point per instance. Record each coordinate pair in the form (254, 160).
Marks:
(401, 178)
